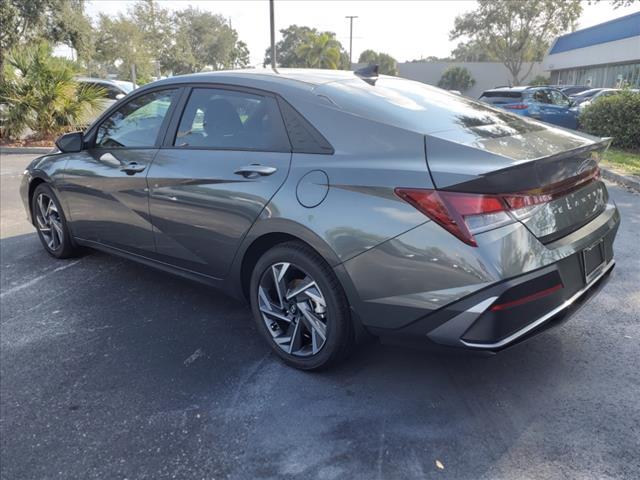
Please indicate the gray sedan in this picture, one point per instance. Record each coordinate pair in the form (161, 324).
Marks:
(340, 205)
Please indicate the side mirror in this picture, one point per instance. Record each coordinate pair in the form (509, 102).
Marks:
(120, 96)
(70, 142)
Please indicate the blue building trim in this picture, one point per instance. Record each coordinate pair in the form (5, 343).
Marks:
(617, 29)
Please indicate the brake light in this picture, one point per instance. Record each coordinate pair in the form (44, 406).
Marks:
(516, 106)
(464, 214)
(549, 192)
(461, 214)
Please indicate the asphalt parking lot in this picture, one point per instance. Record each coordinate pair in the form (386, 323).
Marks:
(112, 370)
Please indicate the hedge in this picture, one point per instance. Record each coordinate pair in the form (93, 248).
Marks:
(616, 116)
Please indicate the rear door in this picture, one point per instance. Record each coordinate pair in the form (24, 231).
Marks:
(105, 186)
(225, 155)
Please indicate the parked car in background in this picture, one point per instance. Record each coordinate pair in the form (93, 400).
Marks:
(337, 202)
(601, 93)
(571, 89)
(586, 95)
(542, 103)
(114, 91)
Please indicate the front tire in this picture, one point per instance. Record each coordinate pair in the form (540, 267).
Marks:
(51, 224)
(300, 307)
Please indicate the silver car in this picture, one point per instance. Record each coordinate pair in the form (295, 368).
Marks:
(339, 205)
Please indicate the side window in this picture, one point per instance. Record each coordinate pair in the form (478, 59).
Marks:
(226, 119)
(137, 123)
(541, 96)
(559, 98)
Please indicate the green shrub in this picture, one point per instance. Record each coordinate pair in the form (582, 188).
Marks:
(616, 116)
(38, 92)
(456, 78)
(539, 80)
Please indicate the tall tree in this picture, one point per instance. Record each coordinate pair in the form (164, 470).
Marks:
(120, 48)
(208, 41)
(320, 51)
(287, 49)
(472, 51)
(24, 21)
(299, 41)
(387, 64)
(517, 32)
(155, 25)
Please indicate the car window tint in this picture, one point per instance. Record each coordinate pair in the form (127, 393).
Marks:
(541, 96)
(226, 119)
(137, 123)
(558, 98)
(498, 98)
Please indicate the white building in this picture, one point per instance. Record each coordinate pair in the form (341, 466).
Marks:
(605, 55)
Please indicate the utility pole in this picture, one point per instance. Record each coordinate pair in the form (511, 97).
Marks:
(273, 36)
(351, 17)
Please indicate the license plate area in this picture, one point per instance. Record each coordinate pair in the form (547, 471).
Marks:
(593, 261)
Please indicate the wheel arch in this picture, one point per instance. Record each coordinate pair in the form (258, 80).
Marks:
(265, 235)
(33, 184)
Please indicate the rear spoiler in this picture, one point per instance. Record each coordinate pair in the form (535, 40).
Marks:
(536, 173)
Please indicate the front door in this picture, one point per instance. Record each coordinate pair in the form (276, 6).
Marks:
(564, 115)
(227, 156)
(105, 186)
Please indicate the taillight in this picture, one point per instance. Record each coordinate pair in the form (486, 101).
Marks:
(464, 214)
(515, 106)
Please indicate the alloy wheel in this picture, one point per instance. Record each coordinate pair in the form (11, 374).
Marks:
(49, 222)
(293, 309)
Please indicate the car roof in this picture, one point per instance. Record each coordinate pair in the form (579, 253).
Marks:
(518, 89)
(508, 89)
(305, 75)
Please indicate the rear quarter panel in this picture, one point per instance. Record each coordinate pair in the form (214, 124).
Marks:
(360, 209)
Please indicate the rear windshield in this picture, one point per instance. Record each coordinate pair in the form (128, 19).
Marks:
(496, 98)
(414, 106)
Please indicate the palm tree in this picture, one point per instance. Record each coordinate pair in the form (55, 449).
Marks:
(320, 51)
(39, 92)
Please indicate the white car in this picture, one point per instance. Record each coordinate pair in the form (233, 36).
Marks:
(604, 92)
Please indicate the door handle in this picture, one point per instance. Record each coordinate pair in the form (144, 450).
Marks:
(132, 168)
(255, 170)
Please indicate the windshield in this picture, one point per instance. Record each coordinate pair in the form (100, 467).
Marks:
(126, 86)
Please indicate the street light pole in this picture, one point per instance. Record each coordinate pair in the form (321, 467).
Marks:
(273, 36)
(351, 17)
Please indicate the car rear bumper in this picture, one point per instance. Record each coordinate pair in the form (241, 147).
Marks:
(425, 284)
(531, 320)
(509, 311)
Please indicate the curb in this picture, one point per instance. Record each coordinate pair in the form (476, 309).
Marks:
(25, 150)
(631, 182)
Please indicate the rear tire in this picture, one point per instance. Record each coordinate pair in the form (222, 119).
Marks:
(300, 307)
(51, 224)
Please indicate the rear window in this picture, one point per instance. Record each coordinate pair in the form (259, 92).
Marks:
(496, 98)
(414, 106)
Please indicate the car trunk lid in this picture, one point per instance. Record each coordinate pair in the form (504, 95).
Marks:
(549, 175)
